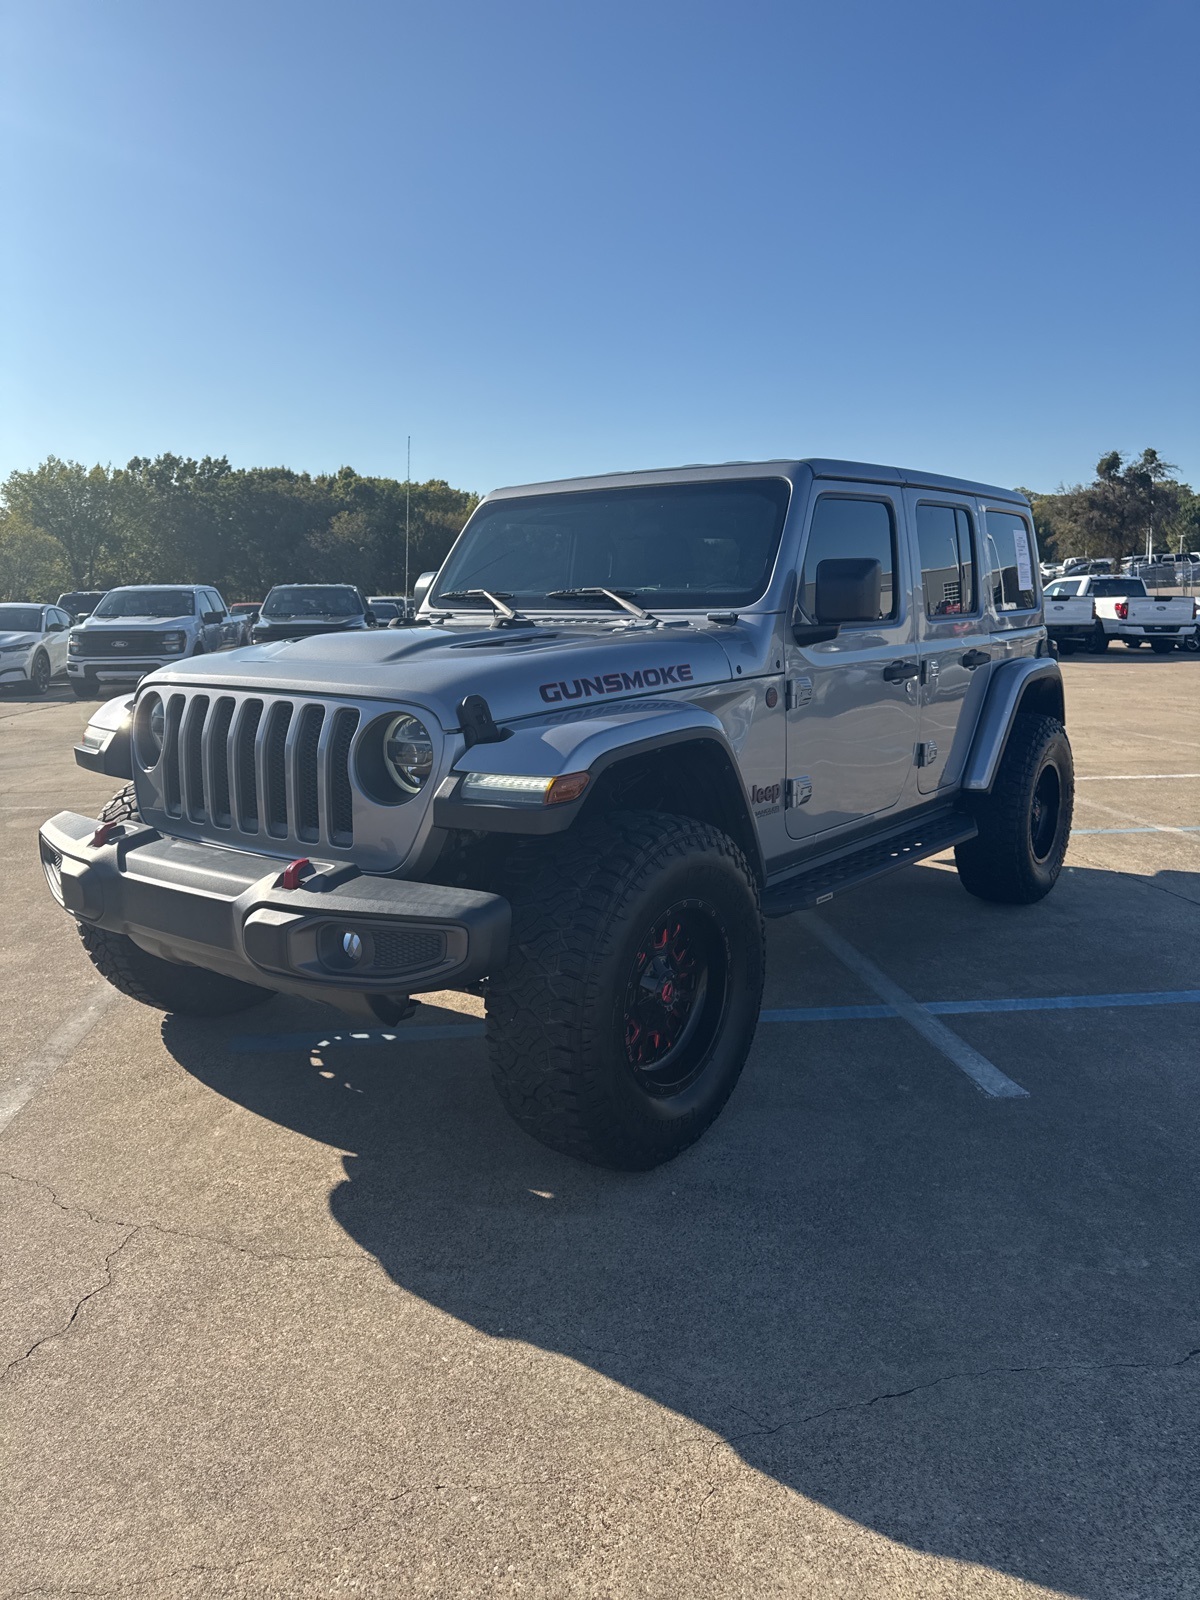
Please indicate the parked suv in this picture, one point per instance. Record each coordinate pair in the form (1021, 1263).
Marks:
(33, 644)
(140, 627)
(300, 610)
(642, 713)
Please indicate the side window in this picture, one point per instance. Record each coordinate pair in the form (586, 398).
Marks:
(1011, 554)
(217, 603)
(944, 537)
(842, 527)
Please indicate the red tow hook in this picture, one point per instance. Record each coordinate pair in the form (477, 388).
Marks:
(104, 833)
(293, 872)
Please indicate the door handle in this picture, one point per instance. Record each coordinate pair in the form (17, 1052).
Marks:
(898, 671)
(975, 658)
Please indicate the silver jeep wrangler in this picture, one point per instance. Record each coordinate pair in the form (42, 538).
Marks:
(640, 713)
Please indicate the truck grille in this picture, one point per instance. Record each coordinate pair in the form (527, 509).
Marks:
(259, 768)
(106, 644)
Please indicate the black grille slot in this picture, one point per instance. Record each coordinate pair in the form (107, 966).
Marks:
(218, 800)
(308, 816)
(406, 952)
(247, 776)
(170, 758)
(276, 769)
(341, 817)
(193, 747)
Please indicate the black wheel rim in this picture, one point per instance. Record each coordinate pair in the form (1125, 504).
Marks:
(41, 674)
(675, 998)
(1044, 812)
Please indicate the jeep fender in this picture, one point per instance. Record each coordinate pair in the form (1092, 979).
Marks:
(602, 741)
(1032, 684)
(106, 745)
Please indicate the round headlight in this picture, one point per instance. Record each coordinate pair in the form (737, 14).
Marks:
(408, 753)
(149, 729)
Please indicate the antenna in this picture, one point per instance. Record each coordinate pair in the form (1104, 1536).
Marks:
(407, 509)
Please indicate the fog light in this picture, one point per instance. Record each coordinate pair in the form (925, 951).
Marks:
(352, 946)
(342, 949)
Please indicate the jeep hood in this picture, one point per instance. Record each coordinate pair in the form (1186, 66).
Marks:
(520, 673)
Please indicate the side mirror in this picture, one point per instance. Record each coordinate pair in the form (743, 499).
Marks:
(211, 616)
(848, 589)
(372, 620)
(421, 588)
(55, 627)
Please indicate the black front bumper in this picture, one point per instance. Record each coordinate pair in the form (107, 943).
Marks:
(227, 910)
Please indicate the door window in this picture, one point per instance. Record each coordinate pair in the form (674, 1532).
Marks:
(1011, 554)
(844, 527)
(944, 537)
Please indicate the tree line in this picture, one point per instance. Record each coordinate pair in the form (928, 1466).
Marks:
(178, 520)
(1130, 502)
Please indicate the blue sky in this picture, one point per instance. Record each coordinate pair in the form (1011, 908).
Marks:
(548, 238)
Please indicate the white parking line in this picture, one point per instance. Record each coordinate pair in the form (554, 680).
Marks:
(55, 1051)
(1134, 777)
(1129, 816)
(982, 1073)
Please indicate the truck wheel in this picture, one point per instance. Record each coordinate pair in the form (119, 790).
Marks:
(622, 1020)
(1099, 642)
(1025, 822)
(1191, 642)
(81, 691)
(1066, 647)
(1162, 647)
(167, 985)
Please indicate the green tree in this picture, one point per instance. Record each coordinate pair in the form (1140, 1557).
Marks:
(79, 508)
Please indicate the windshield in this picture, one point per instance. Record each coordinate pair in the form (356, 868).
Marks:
(20, 619)
(688, 545)
(1107, 587)
(146, 603)
(297, 600)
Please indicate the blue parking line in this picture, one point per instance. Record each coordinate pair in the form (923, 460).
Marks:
(274, 1043)
(1190, 827)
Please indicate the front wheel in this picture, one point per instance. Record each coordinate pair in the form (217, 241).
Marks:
(39, 676)
(1025, 822)
(1099, 641)
(622, 1020)
(167, 985)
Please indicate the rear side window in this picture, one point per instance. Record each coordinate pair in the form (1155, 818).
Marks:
(842, 527)
(944, 537)
(1010, 557)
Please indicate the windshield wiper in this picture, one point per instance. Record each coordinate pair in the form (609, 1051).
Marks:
(506, 617)
(619, 597)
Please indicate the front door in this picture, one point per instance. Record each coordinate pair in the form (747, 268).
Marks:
(853, 703)
(955, 639)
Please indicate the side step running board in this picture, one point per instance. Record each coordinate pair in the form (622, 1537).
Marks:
(821, 881)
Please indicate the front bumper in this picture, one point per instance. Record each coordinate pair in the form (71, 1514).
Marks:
(226, 910)
(16, 668)
(104, 669)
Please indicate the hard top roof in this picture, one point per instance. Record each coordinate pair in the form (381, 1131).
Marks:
(818, 466)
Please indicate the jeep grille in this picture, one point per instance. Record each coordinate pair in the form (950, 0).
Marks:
(259, 768)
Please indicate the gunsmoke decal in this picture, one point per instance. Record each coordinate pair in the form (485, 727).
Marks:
(615, 683)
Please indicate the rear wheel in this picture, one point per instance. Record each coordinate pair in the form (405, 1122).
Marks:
(1025, 822)
(166, 985)
(1099, 641)
(622, 1020)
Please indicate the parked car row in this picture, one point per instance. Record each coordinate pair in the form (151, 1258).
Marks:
(99, 637)
(1088, 612)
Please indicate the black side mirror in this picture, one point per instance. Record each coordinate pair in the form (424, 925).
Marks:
(371, 619)
(210, 616)
(848, 589)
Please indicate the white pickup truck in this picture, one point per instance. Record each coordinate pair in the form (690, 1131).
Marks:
(1087, 613)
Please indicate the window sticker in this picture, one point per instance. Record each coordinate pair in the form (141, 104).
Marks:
(1024, 564)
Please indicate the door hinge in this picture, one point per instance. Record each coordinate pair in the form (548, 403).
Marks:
(926, 753)
(798, 693)
(799, 792)
(930, 668)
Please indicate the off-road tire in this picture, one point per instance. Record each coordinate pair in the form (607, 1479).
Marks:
(166, 985)
(1016, 856)
(40, 673)
(558, 1014)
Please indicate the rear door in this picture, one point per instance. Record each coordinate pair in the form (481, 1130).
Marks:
(853, 705)
(955, 646)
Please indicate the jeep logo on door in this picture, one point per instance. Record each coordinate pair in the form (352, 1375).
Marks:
(766, 795)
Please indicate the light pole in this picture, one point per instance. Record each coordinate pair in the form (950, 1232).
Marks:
(407, 509)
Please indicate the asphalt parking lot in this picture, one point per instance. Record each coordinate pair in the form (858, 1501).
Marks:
(289, 1312)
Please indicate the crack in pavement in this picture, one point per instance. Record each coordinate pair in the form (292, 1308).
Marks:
(60, 1333)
